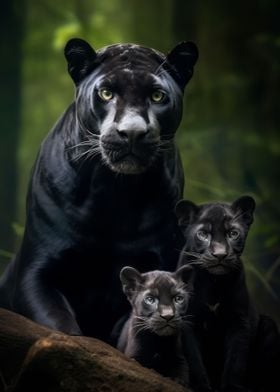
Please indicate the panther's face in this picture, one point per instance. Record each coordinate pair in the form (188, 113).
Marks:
(215, 233)
(128, 101)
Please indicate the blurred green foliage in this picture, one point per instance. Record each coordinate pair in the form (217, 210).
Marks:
(229, 137)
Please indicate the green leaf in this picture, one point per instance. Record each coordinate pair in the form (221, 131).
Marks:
(7, 254)
(18, 229)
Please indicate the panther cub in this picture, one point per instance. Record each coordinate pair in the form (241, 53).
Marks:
(227, 331)
(153, 335)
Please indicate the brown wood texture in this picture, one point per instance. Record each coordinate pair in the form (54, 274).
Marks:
(35, 358)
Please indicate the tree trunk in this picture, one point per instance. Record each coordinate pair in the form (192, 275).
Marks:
(11, 32)
(34, 358)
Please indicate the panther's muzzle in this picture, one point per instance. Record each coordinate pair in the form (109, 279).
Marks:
(130, 145)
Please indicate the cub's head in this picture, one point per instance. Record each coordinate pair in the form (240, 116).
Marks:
(215, 233)
(128, 100)
(159, 299)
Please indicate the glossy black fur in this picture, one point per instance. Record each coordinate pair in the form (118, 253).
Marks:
(154, 333)
(231, 348)
(100, 199)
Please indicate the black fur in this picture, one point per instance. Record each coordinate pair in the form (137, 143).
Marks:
(228, 339)
(154, 332)
(103, 189)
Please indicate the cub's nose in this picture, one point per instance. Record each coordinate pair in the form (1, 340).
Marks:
(167, 313)
(167, 317)
(219, 251)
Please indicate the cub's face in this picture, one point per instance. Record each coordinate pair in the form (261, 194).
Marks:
(128, 102)
(159, 299)
(161, 305)
(215, 233)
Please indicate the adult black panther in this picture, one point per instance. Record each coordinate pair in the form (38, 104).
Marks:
(103, 188)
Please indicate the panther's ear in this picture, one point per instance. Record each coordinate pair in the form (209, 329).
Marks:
(182, 59)
(130, 279)
(185, 274)
(80, 57)
(185, 211)
(245, 206)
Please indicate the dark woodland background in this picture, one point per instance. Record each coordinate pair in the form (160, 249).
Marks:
(229, 137)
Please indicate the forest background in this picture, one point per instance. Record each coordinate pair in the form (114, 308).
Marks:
(230, 134)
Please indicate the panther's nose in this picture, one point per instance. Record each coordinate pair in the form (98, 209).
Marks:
(219, 251)
(167, 317)
(132, 135)
(132, 126)
(167, 313)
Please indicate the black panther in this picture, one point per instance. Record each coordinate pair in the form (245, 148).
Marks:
(235, 348)
(154, 332)
(103, 188)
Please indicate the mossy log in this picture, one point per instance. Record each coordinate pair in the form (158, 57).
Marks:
(35, 358)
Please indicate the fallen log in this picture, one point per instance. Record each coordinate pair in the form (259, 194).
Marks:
(35, 358)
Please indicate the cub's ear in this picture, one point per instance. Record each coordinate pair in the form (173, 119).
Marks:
(245, 206)
(185, 274)
(182, 59)
(80, 57)
(130, 279)
(185, 211)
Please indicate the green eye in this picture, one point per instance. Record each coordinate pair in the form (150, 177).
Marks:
(105, 94)
(157, 96)
(149, 300)
(233, 234)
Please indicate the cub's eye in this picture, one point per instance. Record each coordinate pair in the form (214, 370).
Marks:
(105, 94)
(157, 96)
(149, 300)
(233, 234)
(202, 235)
(179, 299)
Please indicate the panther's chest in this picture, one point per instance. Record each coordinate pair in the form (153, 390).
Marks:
(123, 221)
(211, 297)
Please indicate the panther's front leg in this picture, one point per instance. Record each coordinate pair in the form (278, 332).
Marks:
(237, 344)
(198, 374)
(44, 303)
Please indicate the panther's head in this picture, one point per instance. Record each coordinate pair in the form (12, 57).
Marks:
(128, 100)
